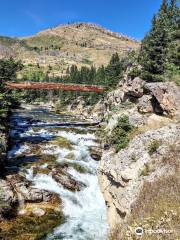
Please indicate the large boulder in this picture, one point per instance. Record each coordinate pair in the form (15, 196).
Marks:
(165, 97)
(134, 88)
(65, 179)
(8, 200)
(25, 192)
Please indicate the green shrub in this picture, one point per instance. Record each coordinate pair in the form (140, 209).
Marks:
(135, 72)
(149, 77)
(153, 147)
(172, 73)
(120, 133)
(145, 171)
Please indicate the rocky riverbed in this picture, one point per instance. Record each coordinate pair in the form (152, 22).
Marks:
(49, 187)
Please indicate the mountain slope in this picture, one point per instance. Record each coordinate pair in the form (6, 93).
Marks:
(62, 46)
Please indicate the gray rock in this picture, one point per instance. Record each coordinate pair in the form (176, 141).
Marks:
(134, 87)
(65, 179)
(6, 192)
(145, 104)
(38, 212)
(25, 190)
(166, 97)
(96, 153)
(8, 199)
(120, 175)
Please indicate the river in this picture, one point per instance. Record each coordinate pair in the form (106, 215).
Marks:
(36, 131)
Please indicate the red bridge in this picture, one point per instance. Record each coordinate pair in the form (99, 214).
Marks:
(55, 86)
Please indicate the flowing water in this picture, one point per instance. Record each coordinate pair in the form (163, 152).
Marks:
(84, 210)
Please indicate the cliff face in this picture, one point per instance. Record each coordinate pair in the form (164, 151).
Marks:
(135, 181)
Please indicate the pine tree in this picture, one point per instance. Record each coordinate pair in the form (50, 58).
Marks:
(101, 76)
(164, 6)
(92, 75)
(114, 70)
(8, 70)
(154, 49)
(74, 74)
(174, 17)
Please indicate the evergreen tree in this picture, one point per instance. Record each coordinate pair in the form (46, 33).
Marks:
(164, 6)
(114, 70)
(74, 74)
(92, 75)
(84, 75)
(154, 49)
(67, 70)
(101, 76)
(8, 69)
(174, 17)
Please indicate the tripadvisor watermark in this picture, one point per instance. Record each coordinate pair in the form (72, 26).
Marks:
(139, 231)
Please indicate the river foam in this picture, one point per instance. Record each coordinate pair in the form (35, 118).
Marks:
(85, 210)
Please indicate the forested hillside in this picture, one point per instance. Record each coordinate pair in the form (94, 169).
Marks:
(53, 50)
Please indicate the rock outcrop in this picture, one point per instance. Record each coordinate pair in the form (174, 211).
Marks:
(154, 110)
(122, 175)
(134, 88)
(162, 98)
(165, 97)
(145, 104)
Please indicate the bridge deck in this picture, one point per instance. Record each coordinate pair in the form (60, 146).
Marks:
(55, 86)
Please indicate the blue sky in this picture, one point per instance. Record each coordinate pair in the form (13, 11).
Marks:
(27, 17)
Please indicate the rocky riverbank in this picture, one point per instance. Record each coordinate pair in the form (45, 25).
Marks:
(49, 178)
(136, 180)
(21, 206)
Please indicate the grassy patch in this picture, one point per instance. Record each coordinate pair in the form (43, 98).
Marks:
(46, 43)
(157, 206)
(87, 61)
(153, 147)
(173, 156)
(145, 171)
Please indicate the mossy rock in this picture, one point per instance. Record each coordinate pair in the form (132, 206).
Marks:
(30, 227)
(76, 166)
(62, 143)
(47, 158)
(42, 159)
(41, 171)
(70, 156)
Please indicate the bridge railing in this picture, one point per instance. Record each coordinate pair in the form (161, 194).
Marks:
(55, 86)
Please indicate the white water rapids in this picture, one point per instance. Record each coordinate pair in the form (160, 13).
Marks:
(85, 211)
